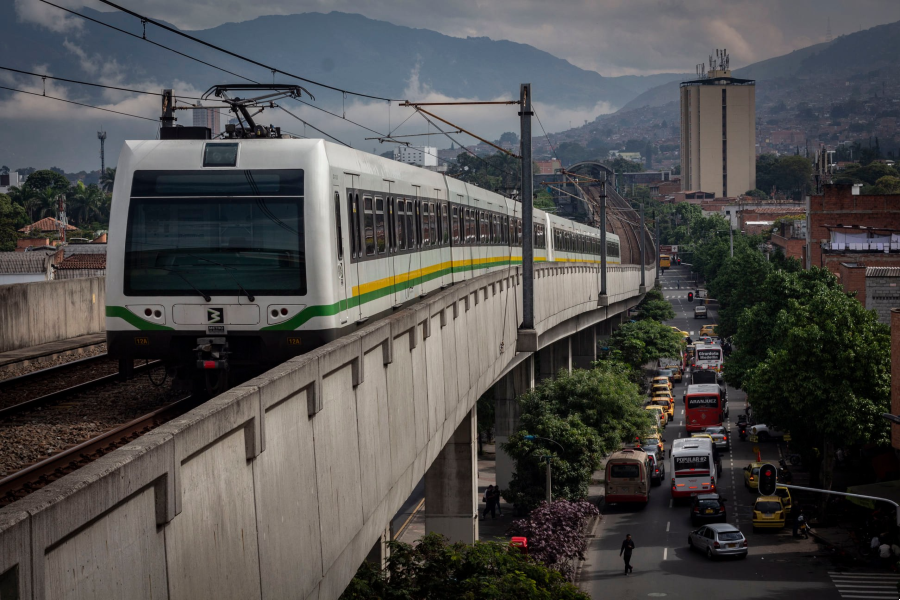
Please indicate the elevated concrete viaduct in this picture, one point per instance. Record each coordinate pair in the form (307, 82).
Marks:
(281, 487)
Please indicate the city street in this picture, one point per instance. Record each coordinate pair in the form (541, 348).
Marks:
(778, 567)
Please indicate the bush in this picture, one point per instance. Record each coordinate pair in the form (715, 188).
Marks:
(437, 570)
(556, 533)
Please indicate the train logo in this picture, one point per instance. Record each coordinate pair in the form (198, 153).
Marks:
(213, 315)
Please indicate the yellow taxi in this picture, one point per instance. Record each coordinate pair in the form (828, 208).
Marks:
(661, 380)
(751, 475)
(709, 330)
(667, 405)
(704, 435)
(768, 513)
(683, 334)
(660, 390)
(662, 416)
(785, 495)
(677, 373)
(654, 438)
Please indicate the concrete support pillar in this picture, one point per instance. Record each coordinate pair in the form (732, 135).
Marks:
(451, 486)
(562, 355)
(380, 552)
(584, 348)
(543, 363)
(506, 416)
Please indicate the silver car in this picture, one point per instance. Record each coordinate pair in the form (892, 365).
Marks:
(719, 436)
(718, 539)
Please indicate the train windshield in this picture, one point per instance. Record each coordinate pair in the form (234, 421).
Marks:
(216, 232)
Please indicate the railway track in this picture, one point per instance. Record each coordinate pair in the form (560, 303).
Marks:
(62, 394)
(37, 375)
(34, 477)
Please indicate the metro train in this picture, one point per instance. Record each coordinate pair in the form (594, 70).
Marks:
(225, 254)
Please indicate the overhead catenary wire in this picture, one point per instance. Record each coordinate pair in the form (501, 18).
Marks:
(145, 20)
(118, 112)
(312, 126)
(99, 85)
(545, 135)
(134, 35)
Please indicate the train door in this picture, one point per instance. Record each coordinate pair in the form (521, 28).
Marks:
(407, 261)
(342, 260)
(351, 262)
(444, 235)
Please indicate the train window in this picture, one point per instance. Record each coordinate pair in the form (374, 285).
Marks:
(498, 236)
(483, 231)
(468, 225)
(426, 239)
(445, 227)
(519, 232)
(454, 223)
(410, 226)
(401, 224)
(419, 216)
(354, 225)
(369, 225)
(337, 226)
(380, 240)
(432, 221)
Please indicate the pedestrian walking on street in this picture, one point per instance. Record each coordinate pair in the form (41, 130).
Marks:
(490, 503)
(497, 500)
(627, 548)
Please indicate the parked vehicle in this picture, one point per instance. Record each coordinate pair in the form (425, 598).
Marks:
(768, 513)
(765, 432)
(719, 539)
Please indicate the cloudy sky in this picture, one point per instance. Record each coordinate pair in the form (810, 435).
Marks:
(612, 37)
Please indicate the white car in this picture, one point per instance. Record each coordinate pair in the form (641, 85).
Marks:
(766, 432)
(719, 436)
(718, 539)
(700, 312)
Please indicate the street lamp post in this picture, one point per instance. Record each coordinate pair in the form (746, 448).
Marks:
(549, 479)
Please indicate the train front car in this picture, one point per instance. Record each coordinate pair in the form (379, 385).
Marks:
(213, 251)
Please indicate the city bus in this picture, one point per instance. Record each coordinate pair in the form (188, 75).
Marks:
(665, 261)
(692, 467)
(628, 474)
(703, 406)
(708, 356)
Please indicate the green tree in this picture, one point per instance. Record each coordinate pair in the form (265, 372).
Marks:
(544, 201)
(46, 179)
(509, 137)
(621, 165)
(658, 310)
(86, 202)
(738, 285)
(888, 184)
(496, 172)
(12, 217)
(642, 342)
(757, 193)
(438, 570)
(826, 375)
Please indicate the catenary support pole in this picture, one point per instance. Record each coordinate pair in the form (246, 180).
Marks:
(527, 209)
(549, 481)
(656, 242)
(643, 251)
(731, 239)
(603, 237)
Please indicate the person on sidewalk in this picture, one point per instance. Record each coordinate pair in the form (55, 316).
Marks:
(490, 503)
(627, 548)
(497, 500)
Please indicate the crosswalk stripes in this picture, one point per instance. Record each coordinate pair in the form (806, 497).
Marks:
(865, 585)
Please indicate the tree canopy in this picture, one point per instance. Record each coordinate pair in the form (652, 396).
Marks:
(642, 342)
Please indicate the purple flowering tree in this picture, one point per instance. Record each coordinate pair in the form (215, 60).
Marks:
(556, 533)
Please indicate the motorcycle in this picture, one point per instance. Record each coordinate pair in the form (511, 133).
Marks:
(742, 427)
(802, 527)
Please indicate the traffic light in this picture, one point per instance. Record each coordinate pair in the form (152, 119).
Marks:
(768, 479)
(690, 296)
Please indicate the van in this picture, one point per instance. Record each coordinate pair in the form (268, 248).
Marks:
(628, 474)
(700, 312)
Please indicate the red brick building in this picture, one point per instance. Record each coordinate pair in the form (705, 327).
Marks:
(791, 238)
(844, 227)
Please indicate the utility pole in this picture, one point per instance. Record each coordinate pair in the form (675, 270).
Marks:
(731, 239)
(101, 135)
(603, 298)
(549, 488)
(525, 113)
(643, 251)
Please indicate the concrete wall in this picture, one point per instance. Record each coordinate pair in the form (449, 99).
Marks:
(280, 487)
(882, 294)
(49, 311)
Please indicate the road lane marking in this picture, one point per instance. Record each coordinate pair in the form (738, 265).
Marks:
(667, 526)
(671, 501)
(665, 553)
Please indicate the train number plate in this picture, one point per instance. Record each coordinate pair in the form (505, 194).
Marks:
(141, 341)
(215, 329)
(293, 341)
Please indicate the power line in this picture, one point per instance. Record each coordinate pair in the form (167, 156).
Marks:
(87, 18)
(241, 57)
(78, 103)
(546, 136)
(99, 85)
(314, 127)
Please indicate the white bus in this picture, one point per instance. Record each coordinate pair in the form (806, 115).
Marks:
(708, 356)
(693, 467)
